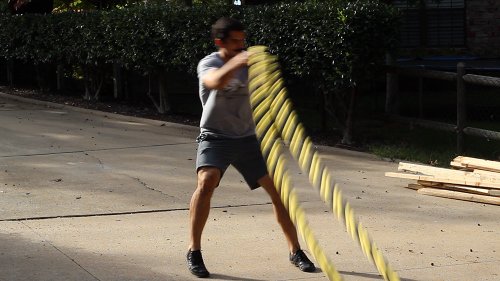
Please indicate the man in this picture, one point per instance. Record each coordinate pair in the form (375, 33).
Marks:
(228, 138)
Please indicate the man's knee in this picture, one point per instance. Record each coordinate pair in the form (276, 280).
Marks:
(208, 179)
(267, 183)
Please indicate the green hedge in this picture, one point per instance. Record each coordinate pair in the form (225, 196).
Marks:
(337, 42)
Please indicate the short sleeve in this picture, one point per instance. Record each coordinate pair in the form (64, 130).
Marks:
(207, 64)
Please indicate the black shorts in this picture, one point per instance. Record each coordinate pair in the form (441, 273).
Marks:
(243, 153)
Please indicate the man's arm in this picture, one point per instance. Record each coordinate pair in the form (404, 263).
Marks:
(218, 78)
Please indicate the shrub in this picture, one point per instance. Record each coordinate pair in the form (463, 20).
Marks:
(337, 44)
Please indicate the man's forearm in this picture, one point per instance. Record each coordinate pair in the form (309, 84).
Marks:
(219, 78)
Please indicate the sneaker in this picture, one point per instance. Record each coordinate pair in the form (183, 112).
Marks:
(300, 260)
(196, 265)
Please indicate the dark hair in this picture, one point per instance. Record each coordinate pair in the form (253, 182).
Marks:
(223, 26)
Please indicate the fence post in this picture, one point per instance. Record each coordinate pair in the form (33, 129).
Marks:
(391, 95)
(461, 107)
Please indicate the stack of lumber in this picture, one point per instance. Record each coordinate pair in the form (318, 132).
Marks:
(469, 179)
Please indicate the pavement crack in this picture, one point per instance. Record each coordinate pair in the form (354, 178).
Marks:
(143, 183)
(127, 213)
(101, 164)
(97, 149)
(60, 251)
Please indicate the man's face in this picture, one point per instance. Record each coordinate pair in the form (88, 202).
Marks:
(233, 44)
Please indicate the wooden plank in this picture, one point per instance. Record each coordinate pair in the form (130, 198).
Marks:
(429, 170)
(468, 189)
(433, 171)
(460, 195)
(414, 186)
(462, 188)
(476, 163)
(460, 166)
(494, 192)
(486, 173)
(429, 183)
(480, 176)
(477, 171)
(468, 180)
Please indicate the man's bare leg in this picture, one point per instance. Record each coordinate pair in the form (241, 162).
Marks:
(281, 214)
(199, 209)
(297, 256)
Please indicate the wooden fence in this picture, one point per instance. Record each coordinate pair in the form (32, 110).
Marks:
(461, 79)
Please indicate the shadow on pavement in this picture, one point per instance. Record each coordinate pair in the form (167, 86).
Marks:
(371, 275)
(228, 277)
(27, 259)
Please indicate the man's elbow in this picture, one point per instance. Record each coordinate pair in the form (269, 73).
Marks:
(213, 84)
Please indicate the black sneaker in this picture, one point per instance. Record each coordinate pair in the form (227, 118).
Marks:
(300, 260)
(196, 265)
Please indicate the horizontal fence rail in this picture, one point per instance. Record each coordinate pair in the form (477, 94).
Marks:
(490, 135)
(461, 78)
(424, 73)
(482, 80)
(440, 126)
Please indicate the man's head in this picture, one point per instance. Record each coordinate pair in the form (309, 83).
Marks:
(229, 36)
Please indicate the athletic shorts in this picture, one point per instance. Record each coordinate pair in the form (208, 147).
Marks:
(243, 153)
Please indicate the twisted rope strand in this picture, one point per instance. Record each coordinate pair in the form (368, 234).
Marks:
(274, 113)
(272, 149)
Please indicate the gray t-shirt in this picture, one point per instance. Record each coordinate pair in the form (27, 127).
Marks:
(226, 112)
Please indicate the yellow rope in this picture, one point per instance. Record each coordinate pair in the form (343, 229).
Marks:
(272, 149)
(277, 121)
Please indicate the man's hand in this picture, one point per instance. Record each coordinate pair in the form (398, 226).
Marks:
(240, 59)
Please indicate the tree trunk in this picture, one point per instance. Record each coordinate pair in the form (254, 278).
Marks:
(117, 81)
(322, 107)
(93, 79)
(60, 77)
(87, 80)
(164, 101)
(391, 94)
(126, 91)
(347, 136)
(43, 76)
(163, 104)
(331, 109)
(10, 72)
(97, 82)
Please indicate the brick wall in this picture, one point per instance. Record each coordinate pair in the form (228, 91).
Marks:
(483, 27)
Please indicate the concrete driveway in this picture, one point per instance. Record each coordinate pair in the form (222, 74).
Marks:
(87, 195)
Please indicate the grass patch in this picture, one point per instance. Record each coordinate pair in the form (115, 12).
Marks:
(402, 142)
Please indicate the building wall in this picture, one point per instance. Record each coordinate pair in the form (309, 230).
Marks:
(483, 27)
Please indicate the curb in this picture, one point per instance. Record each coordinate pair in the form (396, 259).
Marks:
(105, 114)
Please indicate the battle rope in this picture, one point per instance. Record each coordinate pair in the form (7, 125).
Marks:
(276, 120)
(272, 149)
